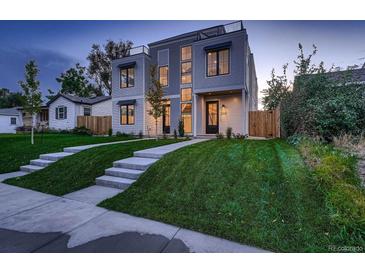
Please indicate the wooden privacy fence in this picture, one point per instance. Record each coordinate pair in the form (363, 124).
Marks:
(98, 125)
(264, 123)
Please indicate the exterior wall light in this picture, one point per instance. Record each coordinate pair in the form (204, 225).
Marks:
(224, 110)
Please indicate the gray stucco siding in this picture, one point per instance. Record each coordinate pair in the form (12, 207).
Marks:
(235, 78)
(138, 118)
(140, 68)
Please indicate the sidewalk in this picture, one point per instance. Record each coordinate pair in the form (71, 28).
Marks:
(31, 221)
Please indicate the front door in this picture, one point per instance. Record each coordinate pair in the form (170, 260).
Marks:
(166, 119)
(212, 117)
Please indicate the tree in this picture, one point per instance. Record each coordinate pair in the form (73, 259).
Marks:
(277, 90)
(73, 81)
(32, 95)
(100, 62)
(154, 97)
(10, 99)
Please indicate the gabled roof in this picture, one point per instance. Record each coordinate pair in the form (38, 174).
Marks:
(80, 100)
(9, 111)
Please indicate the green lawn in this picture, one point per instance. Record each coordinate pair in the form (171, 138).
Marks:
(80, 170)
(16, 150)
(259, 193)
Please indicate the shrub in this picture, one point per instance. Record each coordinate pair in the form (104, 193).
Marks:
(181, 128)
(140, 135)
(219, 135)
(335, 172)
(239, 136)
(175, 134)
(229, 132)
(80, 131)
(110, 132)
(119, 134)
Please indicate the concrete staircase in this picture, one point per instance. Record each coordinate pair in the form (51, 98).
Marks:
(126, 171)
(44, 161)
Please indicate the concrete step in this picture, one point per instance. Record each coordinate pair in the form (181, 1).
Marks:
(116, 182)
(123, 172)
(135, 163)
(54, 156)
(30, 168)
(40, 162)
(73, 149)
(146, 154)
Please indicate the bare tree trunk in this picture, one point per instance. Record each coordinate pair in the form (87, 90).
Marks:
(32, 133)
(156, 130)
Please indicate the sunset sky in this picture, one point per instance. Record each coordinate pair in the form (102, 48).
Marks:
(58, 45)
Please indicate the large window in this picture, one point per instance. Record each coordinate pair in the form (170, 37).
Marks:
(218, 62)
(164, 76)
(127, 114)
(127, 77)
(13, 120)
(186, 109)
(186, 117)
(61, 113)
(186, 65)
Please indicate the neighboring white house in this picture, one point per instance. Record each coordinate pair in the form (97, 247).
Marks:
(64, 109)
(10, 119)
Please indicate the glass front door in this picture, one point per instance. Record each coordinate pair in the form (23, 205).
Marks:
(212, 117)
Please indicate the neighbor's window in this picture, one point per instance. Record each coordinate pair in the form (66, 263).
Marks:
(87, 111)
(186, 53)
(61, 112)
(186, 94)
(218, 62)
(186, 117)
(127, 114)
(164, 76)
(127, 77)
(13, 120)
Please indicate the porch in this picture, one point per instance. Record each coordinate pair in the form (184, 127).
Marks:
(214, 112)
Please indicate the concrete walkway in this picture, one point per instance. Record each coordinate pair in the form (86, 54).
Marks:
(126, 171)
(49, 158)
(31, 221)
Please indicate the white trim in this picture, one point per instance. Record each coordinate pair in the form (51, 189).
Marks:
(171, 96)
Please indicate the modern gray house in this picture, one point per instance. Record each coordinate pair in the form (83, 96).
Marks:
(208, 78)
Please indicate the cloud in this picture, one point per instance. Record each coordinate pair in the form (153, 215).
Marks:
(50, 64)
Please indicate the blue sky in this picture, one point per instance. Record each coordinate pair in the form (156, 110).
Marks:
(58, 45)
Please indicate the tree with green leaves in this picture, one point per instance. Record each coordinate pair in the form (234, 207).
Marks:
(10, 99)
(74, 81)
(277, 90)
(154, 97)
(100, 62)
(32, 95)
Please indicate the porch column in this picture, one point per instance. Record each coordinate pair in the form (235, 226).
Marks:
(194, 115)
(244, 116)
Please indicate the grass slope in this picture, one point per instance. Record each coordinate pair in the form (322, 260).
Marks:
(16, 150)
(80, 170)
(259, 193)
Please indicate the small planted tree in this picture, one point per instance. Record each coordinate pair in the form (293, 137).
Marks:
(32, 95)
(154, 97)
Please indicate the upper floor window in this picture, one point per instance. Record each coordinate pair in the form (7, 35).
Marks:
(164, 75)
(186, 94)
(61, 112)
(127, 77)
(13, 120)
(218, 62)
(186, 53)
(127, 114)
(87, 111)
(186, 65)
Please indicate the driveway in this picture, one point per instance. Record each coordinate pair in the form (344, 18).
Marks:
(31, 221)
